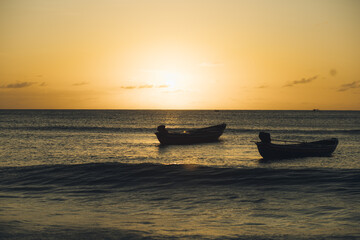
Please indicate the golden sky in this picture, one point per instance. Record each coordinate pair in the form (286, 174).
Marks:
(180, 54)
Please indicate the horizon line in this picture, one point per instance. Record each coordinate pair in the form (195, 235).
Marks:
(154, 109)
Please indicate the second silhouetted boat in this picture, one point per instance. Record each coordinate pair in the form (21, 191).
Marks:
(191, 136)
(269, 150)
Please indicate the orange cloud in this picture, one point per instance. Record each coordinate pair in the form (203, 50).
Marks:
(301, 81)
(19, 85)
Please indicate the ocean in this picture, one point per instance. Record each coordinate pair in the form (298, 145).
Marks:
(102, 174)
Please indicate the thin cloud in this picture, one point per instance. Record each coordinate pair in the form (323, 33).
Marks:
(301, 81)
(19, 85)
(146, 86)
(80, 84)
(348, 86)
(211, 64)
(263, 86)
(128, 87)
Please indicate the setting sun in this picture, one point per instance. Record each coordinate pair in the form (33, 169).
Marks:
(171, 80)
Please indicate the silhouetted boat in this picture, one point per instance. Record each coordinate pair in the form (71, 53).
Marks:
(191, 136)
(270, 150)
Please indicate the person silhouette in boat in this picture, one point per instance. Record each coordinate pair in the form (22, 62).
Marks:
(161, 129)
(265, 137)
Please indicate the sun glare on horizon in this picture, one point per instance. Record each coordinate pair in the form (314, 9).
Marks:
(171, 79)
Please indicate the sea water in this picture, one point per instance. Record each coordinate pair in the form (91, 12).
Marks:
(102, 174)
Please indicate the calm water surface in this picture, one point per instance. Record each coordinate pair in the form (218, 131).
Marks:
(103, 175)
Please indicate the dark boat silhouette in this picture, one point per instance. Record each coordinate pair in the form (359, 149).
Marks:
(269, 150)
(191, 136)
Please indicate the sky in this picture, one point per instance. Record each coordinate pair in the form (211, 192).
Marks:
(180, 54)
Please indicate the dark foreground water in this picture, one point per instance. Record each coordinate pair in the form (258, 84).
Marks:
(103, 175)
